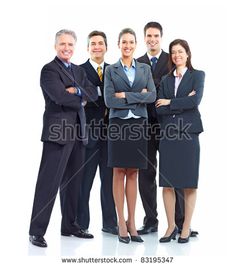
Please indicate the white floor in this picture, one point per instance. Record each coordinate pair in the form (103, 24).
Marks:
(206, 246)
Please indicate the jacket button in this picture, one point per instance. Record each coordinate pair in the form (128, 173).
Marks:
(173, 116)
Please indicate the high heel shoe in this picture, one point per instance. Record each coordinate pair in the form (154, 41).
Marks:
(166, 239)
(135, 238)
(123, 239)
(185, 239)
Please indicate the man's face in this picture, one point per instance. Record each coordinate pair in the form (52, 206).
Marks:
(153, 40)
(97, 48)
(65, 46)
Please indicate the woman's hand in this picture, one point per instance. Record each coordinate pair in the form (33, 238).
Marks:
(192, 93)
(71, 90)
(162, 102)
(120, 95)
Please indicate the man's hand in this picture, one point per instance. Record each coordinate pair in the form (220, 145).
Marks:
(120, 95)
(162, 102)
(144, 90)
(71, 90)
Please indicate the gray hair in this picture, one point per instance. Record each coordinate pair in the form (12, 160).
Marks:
(64, 31)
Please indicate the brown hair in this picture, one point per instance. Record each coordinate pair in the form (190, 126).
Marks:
(186, 47)
(97, 33)
(127, 30)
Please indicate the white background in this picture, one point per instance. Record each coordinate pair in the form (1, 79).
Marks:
(27, 43)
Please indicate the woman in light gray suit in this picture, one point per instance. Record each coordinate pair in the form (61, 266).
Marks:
(128, 87)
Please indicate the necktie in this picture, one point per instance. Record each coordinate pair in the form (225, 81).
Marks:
(154, 63)
(99, 71)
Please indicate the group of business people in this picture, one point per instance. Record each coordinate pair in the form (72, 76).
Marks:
(86, 103)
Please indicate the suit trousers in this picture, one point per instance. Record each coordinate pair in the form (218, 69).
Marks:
(97, 156)
(148, 184)
(60, 168)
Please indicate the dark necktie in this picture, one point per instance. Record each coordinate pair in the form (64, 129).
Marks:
(154, 63)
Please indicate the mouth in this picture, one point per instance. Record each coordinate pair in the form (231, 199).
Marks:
(127, 50)
(66, 53)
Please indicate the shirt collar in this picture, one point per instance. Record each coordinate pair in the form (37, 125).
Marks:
(125, 67)
(182, 72)
(95, 64)
(67, 64)
(157, 56)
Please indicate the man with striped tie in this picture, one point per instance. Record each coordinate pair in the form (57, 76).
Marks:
(96, 150)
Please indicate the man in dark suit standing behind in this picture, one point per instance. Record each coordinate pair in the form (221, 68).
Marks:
(96, 150)
(158, 60)
(66, 89)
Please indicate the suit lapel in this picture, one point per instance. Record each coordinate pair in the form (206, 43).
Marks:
(171, 86)
(119, 71)
(161, 63)
(92, 72)
(182, 86)
(145, 59)
(138, 73)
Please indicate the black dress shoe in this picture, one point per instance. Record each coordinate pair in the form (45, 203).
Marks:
(192, 234)
(166, 239)
(124, 239)
(185, 239)
(136, 238)
(110, 230)
(147, 229)
(38, 240)
(78, 233)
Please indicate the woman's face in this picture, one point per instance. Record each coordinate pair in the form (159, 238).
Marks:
(179, 55)
(127, 45)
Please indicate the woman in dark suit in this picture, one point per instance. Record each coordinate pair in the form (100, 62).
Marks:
(128, 87)
(178, 99)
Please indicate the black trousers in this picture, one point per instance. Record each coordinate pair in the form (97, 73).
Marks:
(96, 156)
(148, 185)
(60, 168)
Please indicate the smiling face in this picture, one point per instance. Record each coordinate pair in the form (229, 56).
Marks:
(65, 46)
(153, 40)
(179, 55)
(97, 48)
(127, 45)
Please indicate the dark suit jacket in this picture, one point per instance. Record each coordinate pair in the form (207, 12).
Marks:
(95, 110)
(160, 71)
(117, 81)
(62, 109)
(182, 107)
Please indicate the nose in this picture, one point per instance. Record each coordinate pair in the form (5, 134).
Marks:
(67, 46)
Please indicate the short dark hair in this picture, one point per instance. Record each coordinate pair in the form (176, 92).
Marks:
(186, 47)
(153, 24)
(127, 30)
(97, 33)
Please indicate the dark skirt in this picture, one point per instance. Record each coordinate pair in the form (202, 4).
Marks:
(179, 162)
(127, 143)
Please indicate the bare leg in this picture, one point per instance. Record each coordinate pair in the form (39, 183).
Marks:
(131, 196)
(190, 196)
(119, 198)
(169, 203)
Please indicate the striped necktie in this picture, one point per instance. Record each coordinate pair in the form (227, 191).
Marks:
(99, 71)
